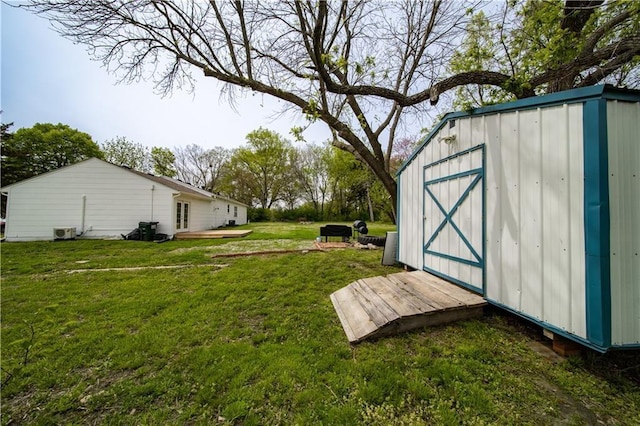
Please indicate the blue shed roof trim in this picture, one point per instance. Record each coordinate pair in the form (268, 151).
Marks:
(569, 96)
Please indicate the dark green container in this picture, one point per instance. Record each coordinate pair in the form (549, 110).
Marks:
(147, 230)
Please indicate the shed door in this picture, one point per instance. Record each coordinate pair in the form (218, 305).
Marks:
(454, 219)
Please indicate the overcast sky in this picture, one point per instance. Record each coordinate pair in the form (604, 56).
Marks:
(47, 79)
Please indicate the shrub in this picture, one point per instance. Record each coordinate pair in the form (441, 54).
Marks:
(258, 214)
(306, 212)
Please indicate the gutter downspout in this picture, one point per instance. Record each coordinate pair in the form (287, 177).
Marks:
(84, 210)
(153, 187)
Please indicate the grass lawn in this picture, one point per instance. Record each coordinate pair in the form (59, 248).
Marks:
(94, 332)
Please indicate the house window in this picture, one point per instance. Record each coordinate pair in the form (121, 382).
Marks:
(228, 209)
(186, 216)
(235, 211)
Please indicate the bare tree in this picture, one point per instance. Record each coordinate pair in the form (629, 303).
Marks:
(311, 169)
(200, 167)
(365, 68)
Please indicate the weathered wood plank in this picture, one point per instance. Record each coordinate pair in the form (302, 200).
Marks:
(394, 296)
(343, 317)
(436, 298)
(357, 317)
(433, 292)
(464, 296)
(378, 309)
(424, 304)
(428, 320)
(381, 306)
(213, 233)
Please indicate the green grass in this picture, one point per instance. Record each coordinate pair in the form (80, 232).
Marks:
(255, 340)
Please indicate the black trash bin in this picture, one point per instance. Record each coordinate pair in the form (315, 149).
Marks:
(147, 230)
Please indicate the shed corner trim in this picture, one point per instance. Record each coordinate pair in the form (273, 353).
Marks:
(597, 222)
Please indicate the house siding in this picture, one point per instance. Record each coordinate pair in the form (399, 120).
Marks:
(200, 213)
(55, 199)
(101, 200)
(221, 217)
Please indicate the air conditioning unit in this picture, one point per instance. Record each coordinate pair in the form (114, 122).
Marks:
(64, 233)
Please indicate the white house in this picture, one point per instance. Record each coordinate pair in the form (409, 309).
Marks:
(535, 205)
(97, 199)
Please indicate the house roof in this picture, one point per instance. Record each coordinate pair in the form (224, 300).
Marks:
(184, 187)
(176, 184)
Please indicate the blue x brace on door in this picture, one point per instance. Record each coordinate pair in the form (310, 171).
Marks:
(453, 218)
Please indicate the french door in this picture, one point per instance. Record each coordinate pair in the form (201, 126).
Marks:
(182, 216)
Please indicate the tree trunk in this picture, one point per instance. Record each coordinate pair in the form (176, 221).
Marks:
(370, 204)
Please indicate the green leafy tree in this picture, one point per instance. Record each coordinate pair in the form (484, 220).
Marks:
(549, 46)
(7, 156)
(350, 186)
(366, 69)
(238, 183)
(123, 152)
(162, 160)
(291, 193)
(44, 147)
(5, 134)
(262, 167)
(479, 51)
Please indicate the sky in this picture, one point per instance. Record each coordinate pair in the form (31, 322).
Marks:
(48, 79)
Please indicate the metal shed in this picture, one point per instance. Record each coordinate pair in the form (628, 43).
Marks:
(535, 204)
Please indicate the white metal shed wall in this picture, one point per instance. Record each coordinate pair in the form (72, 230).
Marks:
(623, 130)
(410, 215)
(561, 209)
(534, 246)
(535, 216)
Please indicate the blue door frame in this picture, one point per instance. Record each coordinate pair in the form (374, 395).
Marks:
(476, 175)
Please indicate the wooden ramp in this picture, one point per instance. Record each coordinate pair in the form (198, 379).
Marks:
(381, 306)
(214, 233)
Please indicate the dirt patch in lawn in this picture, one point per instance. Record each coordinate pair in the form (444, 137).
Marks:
(248, 246)
(136, 268)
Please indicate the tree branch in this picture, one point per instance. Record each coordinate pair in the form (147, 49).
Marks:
(629, 45)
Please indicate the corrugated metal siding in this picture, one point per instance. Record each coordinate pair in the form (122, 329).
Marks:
(535, 220)
(623, 129)
(415, 222)
(411, 193)
(534, 253)
(410, 216)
